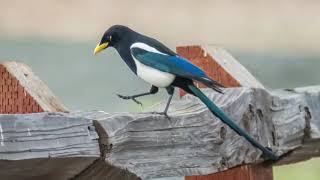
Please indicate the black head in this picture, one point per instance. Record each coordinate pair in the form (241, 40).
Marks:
(113, 36)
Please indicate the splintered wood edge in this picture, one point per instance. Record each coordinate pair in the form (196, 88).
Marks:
(34, 86)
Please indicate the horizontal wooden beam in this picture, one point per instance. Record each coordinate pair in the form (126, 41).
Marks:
(144, 145)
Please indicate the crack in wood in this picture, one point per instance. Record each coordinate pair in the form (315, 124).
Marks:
(105, 146)
(307, 129)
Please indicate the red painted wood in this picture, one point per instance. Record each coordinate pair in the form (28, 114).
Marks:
(207, 63)
(198, 57)
(13, 97)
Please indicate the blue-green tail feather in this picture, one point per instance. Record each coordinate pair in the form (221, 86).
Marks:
(227, 120)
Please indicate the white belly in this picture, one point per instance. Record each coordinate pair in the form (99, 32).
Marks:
(154, 76)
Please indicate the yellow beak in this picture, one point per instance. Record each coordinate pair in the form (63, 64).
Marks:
(100, 47)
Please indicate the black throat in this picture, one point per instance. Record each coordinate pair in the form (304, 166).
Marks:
(123, 48)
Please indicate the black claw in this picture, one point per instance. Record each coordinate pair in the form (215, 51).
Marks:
(129, 97)
(136, 101)
(123, 97)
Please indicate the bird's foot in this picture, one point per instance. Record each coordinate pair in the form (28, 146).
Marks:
(130, 97)
(162, 114)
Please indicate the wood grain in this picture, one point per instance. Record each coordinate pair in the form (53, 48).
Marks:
(192, 142)
(48, 145)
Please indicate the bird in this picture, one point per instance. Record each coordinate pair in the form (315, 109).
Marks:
(161, 67)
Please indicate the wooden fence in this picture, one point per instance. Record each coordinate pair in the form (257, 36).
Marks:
(41, 139)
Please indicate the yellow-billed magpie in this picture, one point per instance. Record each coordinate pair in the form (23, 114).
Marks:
(162, 68)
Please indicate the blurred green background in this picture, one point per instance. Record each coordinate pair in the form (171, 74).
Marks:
(277, 42)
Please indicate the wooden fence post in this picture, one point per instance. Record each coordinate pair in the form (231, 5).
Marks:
(226, 70)
(22, 92)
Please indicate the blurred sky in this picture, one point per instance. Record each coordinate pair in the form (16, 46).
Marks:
(243, 24)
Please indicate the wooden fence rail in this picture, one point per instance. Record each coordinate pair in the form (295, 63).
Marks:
(192, 142)
(118, 146)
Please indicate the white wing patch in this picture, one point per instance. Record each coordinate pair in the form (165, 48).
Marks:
(146, 47)
(151, 75)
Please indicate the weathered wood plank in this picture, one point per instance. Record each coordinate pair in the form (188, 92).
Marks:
(46, 135)
(46, 146)
(192, 142)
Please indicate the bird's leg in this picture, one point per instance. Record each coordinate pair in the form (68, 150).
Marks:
(153, 90)
(170, 91)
